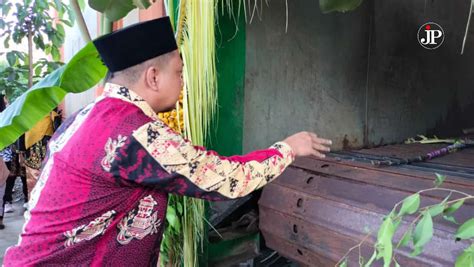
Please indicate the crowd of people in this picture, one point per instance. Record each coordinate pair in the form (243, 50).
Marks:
(22, 160)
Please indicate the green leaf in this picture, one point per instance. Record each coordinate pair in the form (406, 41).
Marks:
(417, 251)
(82, 4)
(179, 207)
(384, 240)
(466, 230)
(142, 4)
(172, 218)
(410, 205)
(6, 42)
(11, 58)
(406, 238)
(55, 53)
(466, 259)
(343, 263)
(6, 8)
(66, 22)
(38, 70)
(439, 179)
(328, 6)
(83, 71)
(436, 210)
(25, 112)
(113, 9)
(453, 208)
(423, 232)
(59, 5)
(372, 259)
(450, 218)
(60, 29)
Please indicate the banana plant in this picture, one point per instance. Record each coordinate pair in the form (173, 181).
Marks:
(82, 72)
(117, 9)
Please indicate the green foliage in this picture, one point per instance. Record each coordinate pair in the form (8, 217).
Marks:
(410, 205)
(439, 179)
(384, 240)
(33, 17)
(421, 230)
(117, 9)
(30, 22)
(450, 210)
(423, 233)
(466, 259)
(466, 231)
(406, 238)
(25, 112)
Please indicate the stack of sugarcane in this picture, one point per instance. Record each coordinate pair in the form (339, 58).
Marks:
(455, 145)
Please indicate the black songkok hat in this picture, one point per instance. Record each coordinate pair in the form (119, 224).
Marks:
(136, 44)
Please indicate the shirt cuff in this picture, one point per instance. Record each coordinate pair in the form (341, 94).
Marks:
(286, 151)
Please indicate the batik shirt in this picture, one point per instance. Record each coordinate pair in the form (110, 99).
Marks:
(102, 194)
(6, 154)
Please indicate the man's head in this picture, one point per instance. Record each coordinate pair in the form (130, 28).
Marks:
(144, 57)
(157, 80)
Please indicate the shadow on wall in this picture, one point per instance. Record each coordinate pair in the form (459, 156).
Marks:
(456, 120)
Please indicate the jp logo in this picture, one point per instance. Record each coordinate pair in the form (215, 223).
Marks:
(430, 35)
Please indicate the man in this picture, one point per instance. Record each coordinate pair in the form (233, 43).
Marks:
(102, 194)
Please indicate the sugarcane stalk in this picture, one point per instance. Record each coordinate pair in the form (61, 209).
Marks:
(428, 156)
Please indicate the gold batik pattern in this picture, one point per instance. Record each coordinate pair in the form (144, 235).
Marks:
(206, 170)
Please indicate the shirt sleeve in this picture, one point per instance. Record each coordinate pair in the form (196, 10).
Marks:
(157, 156)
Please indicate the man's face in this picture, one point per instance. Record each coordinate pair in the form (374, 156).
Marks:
(171, 82)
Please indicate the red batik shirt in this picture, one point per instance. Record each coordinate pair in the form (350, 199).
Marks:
(101, 197)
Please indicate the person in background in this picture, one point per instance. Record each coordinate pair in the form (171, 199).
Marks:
(13, 158)
(4, 173)
(6, 156)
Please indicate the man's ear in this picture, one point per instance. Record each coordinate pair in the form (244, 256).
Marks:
(151, 77)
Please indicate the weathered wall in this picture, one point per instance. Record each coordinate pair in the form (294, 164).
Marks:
(333, 73)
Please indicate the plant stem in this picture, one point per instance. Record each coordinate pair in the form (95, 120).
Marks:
(80, 21)
(30, 57)
(434, 189)
(354, 247)
(451, 201)
(444, 189)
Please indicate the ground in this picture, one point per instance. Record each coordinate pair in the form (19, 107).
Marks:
(13, 225)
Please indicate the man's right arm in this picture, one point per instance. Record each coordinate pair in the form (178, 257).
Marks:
(159, 157)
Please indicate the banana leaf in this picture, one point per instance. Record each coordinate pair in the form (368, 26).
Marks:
(82, 72)
(117, 9)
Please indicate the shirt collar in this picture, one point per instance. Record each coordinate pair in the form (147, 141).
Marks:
(125, 94)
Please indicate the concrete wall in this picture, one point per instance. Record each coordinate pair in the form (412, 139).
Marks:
(72, 44)
(357, 78)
